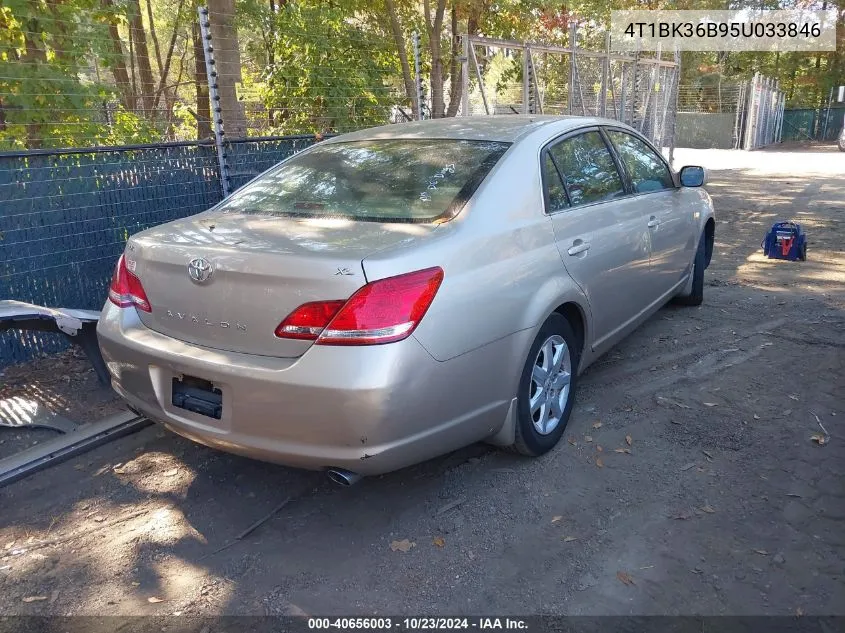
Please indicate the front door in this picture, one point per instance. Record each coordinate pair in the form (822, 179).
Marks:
(600, 231)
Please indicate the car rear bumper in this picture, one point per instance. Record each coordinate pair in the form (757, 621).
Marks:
(370, 409)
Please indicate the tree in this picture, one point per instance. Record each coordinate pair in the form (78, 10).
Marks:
(227, 57)
(331, 72)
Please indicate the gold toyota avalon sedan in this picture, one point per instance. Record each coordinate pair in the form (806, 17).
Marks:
(390, 295)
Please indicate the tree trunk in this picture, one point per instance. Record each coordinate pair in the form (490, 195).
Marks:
(456, 85)
(142, 55)
(117, 62)
(227, 57)
(168, 60)
(201, 87)
(399, 39)
(435, 35)
(154, 36)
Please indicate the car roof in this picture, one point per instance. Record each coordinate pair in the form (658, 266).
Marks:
(502, 127)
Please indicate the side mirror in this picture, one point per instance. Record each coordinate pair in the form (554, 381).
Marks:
(692, 176)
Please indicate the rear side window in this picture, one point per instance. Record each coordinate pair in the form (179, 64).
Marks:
(391, 180)
(555, 192)
(586, 164)
(647, 171)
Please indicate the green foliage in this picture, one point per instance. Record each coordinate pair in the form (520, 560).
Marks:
(48, 92)
(331, 71)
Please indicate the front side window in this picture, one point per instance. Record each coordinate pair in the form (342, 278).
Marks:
(647, 171)
(589, 170)
(390, 180)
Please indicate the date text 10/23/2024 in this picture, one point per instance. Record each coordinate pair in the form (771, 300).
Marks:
(417, 624)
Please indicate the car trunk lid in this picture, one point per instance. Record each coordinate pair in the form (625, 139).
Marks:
(261, 269)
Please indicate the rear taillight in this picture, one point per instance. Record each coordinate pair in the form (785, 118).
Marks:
(383, 311)
(308, 320)
(126, 289)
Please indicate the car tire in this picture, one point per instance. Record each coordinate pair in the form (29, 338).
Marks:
(696, 295)
(557, 336)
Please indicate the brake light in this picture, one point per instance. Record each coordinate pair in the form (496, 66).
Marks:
(308, 320)
(383, 311)
(126, 290)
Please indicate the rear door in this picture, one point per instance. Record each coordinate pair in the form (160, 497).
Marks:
(600, 231)
(670, 220)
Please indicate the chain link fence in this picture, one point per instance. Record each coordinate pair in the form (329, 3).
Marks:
(508, 76)
(745, 115)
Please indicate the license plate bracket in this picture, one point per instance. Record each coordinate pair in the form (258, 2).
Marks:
(197, 396)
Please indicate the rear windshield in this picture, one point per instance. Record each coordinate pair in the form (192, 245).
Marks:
(397, 180)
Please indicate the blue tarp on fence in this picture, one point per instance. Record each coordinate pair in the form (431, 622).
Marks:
(65, 215)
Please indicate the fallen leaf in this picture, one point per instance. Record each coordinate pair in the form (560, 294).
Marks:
(588, 438)
(762, 552)
(402, 546)
(787, 413)
(793, 397)
(710, 404)
(557, 518)
(707, 509)
(624, 578)
(628, 440)
(623, 450)
(569, 539)
(599, 462)
(172, 473)
(34, 598)
(799, 612)
(599, 448)
(154, 600)
(438, 541)
(756, 417)
(136, 584)
(596, 425)
(819, 439)
(572, 441)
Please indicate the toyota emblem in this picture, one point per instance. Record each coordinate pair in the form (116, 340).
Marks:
(200, 269)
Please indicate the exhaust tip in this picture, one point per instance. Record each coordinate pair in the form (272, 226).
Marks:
(343, 477)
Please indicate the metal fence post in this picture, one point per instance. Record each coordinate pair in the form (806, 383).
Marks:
(827, 115)
(673, 100)
(465, 75)
(526, 64)
(417, 76)
(573, 43)
(751, 115)
(214, 96)
(605, 70)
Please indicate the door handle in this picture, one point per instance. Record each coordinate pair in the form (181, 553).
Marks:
(578, 247)
(653, 222)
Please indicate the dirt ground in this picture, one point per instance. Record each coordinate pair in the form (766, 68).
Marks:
(727, 496)
(64, 384)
